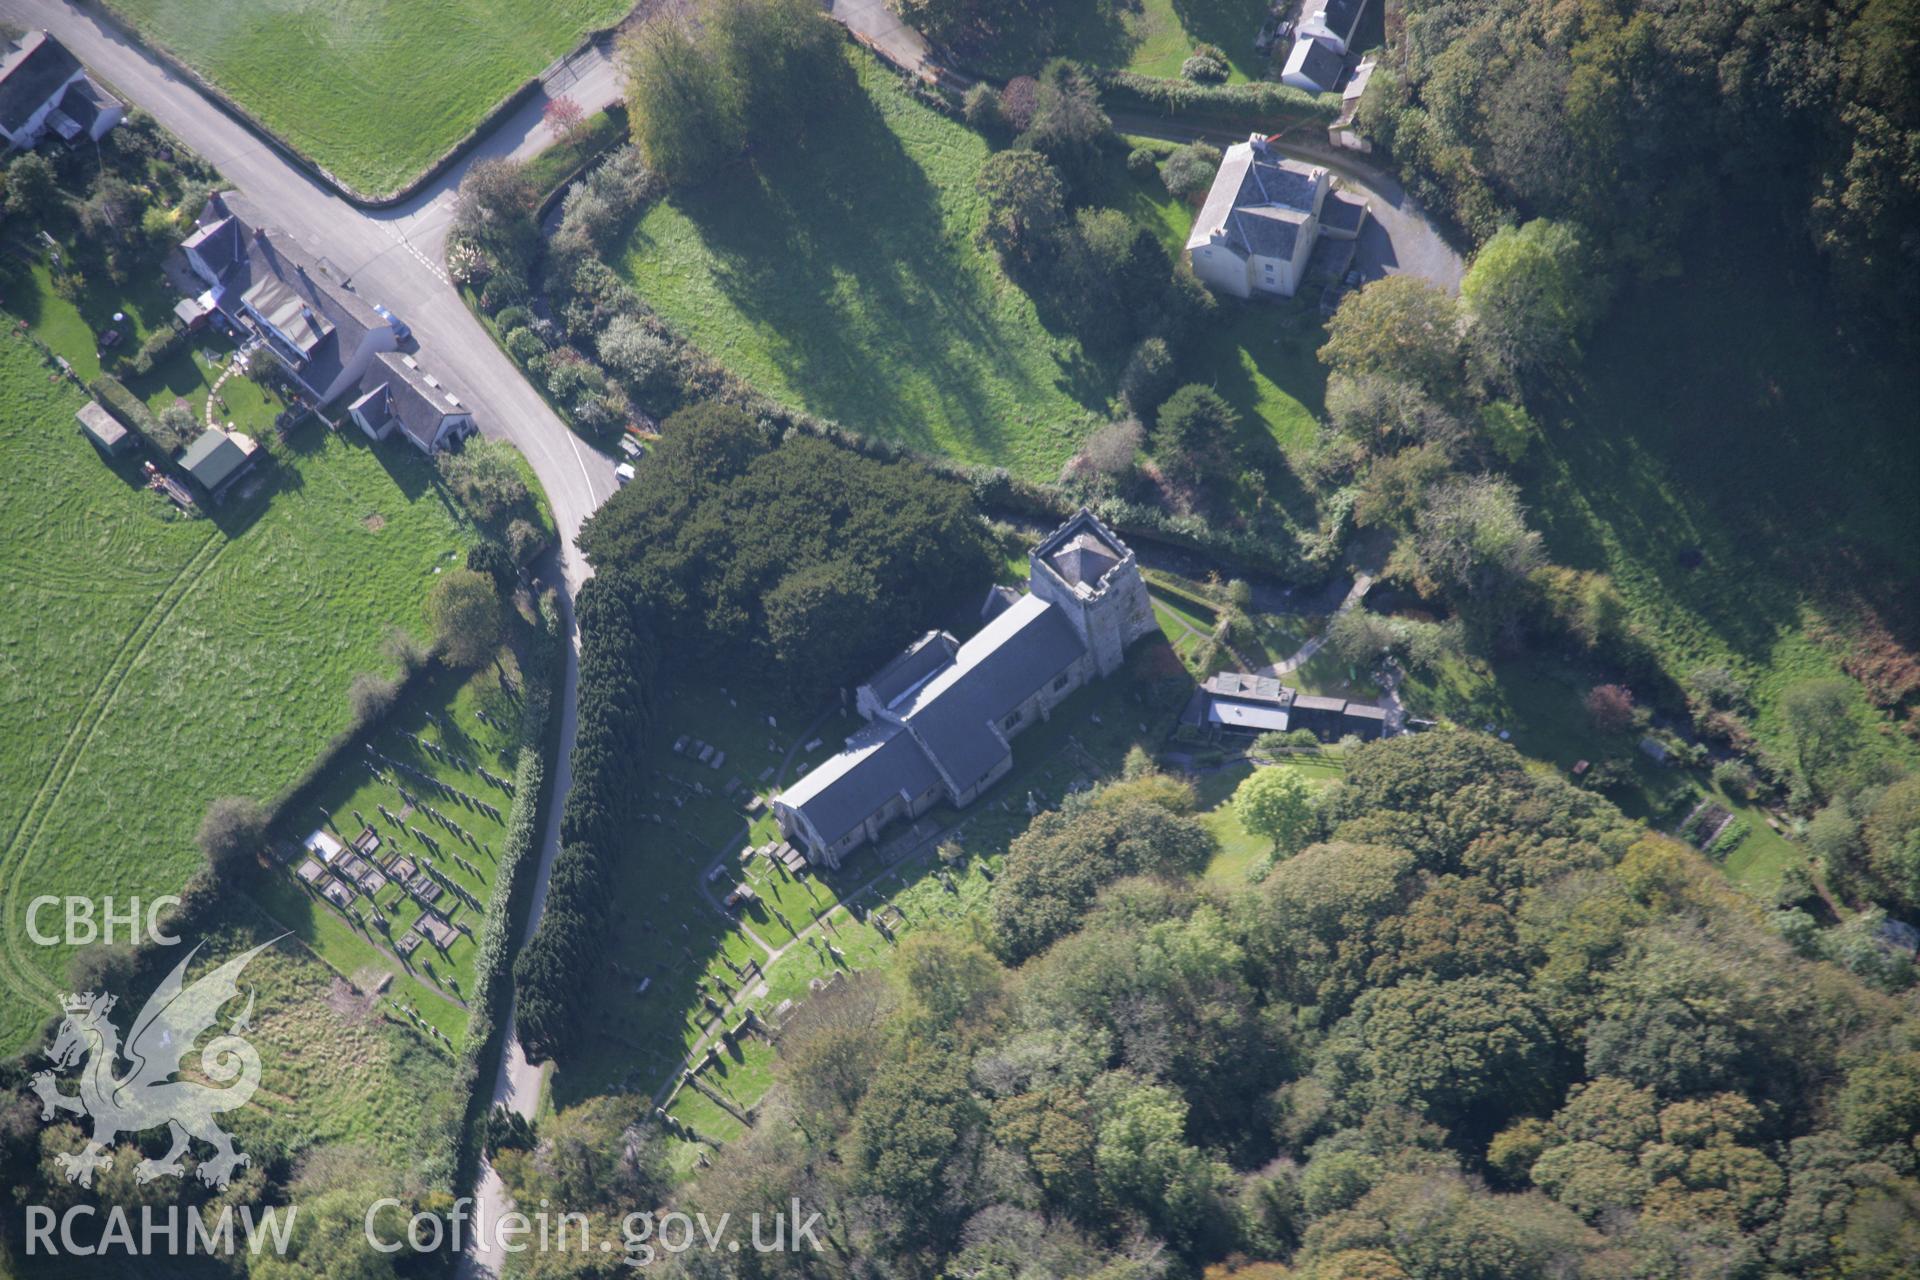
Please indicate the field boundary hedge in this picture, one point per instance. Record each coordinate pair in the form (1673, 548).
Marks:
(1260, 101)
(457, 1131)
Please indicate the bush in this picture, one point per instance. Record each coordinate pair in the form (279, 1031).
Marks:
(1190, 169)
(1018, 101)
(524, 345)
(177, 427)
(1272, 105)
(1143, 163)
(524, 541)
(1202, 69)
(1193, 433)
(1610, 707)
(505, 288)
(160, 344)
(485, 478)
(467, 617)
(371, 697)
(1148, 376)
(232, 833)
(571, 378)
(124, 405)
(511, 318)
(636, 355)
(1735, 777)
(982, 110)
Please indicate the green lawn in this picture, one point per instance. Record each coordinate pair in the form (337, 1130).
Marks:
(1242, 854)
(1162, 33)
(371, 90)
(841, 276)
(1152, 37)
(336, 1065)
(149, 664)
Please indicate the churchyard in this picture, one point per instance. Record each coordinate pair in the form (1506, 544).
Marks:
(684, 966)
(404, 910)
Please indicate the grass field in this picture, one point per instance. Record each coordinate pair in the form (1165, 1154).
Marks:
(842, 277)
(371, 90)
(1744, 474)
(149, 664)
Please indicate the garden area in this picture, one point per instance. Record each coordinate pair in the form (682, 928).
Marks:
(841, 277)
(1151, 37)
(369, 93)
(155, 663)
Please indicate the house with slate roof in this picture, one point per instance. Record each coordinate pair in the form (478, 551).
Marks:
(268, 286)
(942, 716)
(1257, 229)
(44, 89)
(398, 397)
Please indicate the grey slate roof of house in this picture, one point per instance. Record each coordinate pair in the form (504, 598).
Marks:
(1317, 62)
(1342, 213)
(277, 278)
(1343, 16)
(419, 408)
(1261, 198)
(84, 101)
(950, 717)
(1084, 557)
(1247, 687)
(29, 73)
(846, 789)
(1312, 702)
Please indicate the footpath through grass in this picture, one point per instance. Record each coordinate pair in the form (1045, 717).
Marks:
(372, 92)
(149, 664)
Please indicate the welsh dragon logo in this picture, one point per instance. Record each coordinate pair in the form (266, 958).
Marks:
(147, 1096)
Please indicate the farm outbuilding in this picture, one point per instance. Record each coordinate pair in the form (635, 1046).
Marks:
(104, 429)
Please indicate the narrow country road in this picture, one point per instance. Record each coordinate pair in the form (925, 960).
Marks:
(394, 257)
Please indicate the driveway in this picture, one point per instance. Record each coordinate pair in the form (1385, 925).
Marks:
(878, 25)
(393, 257)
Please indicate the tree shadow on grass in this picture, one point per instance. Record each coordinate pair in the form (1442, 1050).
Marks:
(836, 252)
(1732, 446)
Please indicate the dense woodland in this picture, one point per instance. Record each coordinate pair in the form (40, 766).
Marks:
(1481, 1027)
(793, 556)
(1643, 120)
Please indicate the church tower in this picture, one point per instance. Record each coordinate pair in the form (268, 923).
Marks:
(1085, 569)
